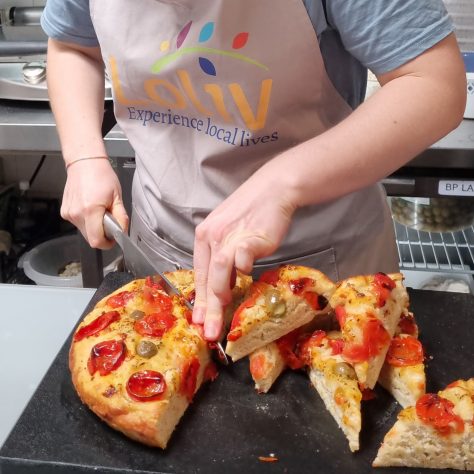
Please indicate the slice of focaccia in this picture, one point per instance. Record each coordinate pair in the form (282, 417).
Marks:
(368, 309)
(336, 382)
(279, 302)
(438, 432)
(403, 372)
(266, 364)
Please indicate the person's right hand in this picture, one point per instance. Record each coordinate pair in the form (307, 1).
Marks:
(92, 187)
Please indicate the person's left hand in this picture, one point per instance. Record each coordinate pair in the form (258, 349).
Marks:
(249, 224)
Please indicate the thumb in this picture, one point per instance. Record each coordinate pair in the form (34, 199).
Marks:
(119, 212)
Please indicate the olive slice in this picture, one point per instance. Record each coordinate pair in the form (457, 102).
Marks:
(146, 349)
(280, 309)
(272, 299)
(137, 314)
(345, 370)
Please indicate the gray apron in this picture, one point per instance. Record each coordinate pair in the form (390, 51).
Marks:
(208, 91)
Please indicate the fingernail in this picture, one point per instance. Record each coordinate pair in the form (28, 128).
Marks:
(211, 330)
(198, 315)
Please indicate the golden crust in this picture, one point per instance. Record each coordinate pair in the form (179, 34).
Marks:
(150, 422)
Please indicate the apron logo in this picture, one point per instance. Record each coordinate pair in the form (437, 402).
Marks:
(183, 93)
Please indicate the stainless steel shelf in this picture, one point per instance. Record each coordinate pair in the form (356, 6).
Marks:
(448, 252)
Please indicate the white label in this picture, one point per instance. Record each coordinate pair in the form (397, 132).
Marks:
(456, 188)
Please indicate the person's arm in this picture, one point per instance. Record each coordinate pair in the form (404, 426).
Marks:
(419, 103)
(76, 90)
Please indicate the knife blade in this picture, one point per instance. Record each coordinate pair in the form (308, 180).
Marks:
(139, 265)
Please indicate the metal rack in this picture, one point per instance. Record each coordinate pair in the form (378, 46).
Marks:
(449, 252)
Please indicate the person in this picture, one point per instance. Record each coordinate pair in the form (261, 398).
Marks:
(253, 144)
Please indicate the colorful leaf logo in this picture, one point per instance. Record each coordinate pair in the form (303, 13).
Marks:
(207, 66)
(206, 32)
(240, 40)
(182, 34)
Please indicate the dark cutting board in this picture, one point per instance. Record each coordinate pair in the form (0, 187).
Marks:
(229, 426)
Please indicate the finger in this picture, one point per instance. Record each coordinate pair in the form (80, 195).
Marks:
(119, 212)
(214, 318)
(202, 256)
(94, 228)
(244, 259)
(220, 270)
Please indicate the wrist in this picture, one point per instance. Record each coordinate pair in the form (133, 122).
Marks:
(83, 159)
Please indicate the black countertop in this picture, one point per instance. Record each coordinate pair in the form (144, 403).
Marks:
(229, 426)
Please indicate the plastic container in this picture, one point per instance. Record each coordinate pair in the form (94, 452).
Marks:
(44, 263)
(433, 214)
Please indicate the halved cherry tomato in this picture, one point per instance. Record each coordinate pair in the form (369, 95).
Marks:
(305, 346)
(152, 283)
(341, 315)
(383, 285)
(146, 386)
(106, 356)
(374, 338)
(257, 366)
(120, 299)
(97, 325)
(270, 277)
(155, 324)
(384, 280)
(189, 371)
(287, 346)
(234, 334)
(438, 412)
(367, 393)
(408, 325)
(156, 300)
(405, 351)
(337, 345)
(256, 290)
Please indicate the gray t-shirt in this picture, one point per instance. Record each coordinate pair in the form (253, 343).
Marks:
(354, 35)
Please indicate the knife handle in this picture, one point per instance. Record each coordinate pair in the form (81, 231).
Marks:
(111, 226)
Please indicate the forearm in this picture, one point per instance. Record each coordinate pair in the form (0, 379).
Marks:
(407, 115)
(76, 90)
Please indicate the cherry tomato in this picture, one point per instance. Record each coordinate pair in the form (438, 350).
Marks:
(106, 356)
(438, 412)
(341, 315)
(305, 346)
(257, 366)
(337, 345)
(256, 290)
(189, 372)
(146, 386)
(156, 300)
(374, 338)
(97, 325)
(405, 351)
(287, 346)
(210, 372)
(384, 280)
(155, 324)
(407, 324)
(120, 299)
(270, 277)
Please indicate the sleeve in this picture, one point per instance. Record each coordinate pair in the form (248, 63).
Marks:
(384, 35)
(69, 21)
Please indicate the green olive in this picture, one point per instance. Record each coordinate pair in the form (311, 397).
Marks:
(345, 370)
(146, 349)
(137, 314)
(272, 298)
(280, 309)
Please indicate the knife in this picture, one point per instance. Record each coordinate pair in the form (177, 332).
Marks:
(138, 263)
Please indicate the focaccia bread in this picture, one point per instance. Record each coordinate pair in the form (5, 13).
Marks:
(403, 372)
(279, 302)
(137, 361)
(438, 432)
(336, 382)
(368, 309)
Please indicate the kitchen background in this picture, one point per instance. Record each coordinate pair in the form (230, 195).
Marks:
(435, 235)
